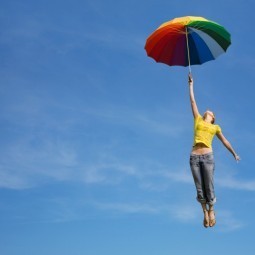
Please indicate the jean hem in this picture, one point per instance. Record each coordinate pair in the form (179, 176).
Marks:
(203, 201)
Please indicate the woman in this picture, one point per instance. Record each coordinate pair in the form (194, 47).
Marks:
(201, 158)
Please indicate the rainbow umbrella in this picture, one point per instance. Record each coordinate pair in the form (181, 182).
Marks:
(187, 41)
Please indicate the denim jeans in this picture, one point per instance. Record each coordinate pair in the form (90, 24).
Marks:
(202, 168)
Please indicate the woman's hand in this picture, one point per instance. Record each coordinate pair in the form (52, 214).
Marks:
(237, 158)
(190, 81)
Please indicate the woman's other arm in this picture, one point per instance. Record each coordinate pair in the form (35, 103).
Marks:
(228, 146)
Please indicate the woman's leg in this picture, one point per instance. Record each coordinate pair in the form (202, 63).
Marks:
(208, 173)
(197, 174)
(208, 178)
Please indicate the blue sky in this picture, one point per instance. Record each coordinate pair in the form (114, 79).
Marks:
(95, 136)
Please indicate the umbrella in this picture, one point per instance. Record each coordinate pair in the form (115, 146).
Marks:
(187, 41)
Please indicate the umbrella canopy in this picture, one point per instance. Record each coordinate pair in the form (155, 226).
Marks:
(187, 41)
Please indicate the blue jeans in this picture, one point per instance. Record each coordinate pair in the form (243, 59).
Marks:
(202, 168)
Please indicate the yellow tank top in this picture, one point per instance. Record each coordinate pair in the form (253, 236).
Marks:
(204, 132)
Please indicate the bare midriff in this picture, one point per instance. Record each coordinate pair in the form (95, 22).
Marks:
(200, 149)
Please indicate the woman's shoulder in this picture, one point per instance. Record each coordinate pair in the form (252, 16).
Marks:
(198, 117)
(217, 128)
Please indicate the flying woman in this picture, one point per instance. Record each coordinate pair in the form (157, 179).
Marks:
(201, 158)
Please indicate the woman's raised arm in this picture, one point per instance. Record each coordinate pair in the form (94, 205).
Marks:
(192, 97)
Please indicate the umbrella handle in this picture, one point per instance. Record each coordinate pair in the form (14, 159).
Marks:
(187, 40)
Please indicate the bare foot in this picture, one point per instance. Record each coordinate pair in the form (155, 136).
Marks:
(212, 219)
(206, 219)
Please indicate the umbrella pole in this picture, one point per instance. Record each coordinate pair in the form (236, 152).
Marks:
(187, 40)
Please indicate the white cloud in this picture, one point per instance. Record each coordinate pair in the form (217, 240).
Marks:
(186, 213)
(111, 173)
(226, 221)
(128, 208)
(180, 176)
(158, 122)
(11, 180)
(38, 155)
(26, 165)
(182, 213)
(230, 182)
(189, 213)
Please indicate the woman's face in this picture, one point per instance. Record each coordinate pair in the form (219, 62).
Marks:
(209, 115)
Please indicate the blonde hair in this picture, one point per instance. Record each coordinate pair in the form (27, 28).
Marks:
(213, 120)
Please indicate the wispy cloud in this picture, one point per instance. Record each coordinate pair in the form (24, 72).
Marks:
(181, 213)
(38, 28)
(230, 182)
(226, 221)
(189, 213)
(27, 165)
(11, 180)
(77, 209)
(128, 208)
(111, 173)
(46, 150)
(179, 175)
(158, 122)
(23, 165)
(184, 213)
